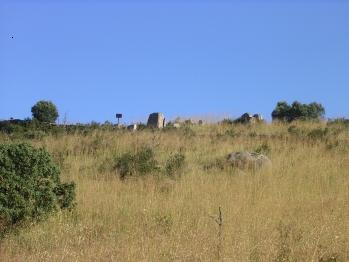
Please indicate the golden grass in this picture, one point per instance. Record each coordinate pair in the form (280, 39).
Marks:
(298, 211)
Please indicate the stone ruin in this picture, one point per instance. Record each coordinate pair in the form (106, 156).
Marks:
(132, 127)
(178, 122)
(249, 119)
(156, 120)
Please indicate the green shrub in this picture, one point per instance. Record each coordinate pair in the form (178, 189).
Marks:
(139, 163)
(174, 164)
(227, 121)
(30, 185)
(143, 162)
(318, 133)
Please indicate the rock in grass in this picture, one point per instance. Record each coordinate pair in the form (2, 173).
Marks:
(248, 160)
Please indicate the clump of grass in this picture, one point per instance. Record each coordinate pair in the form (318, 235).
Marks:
(263, 149)
(187, 131)
(295, 131)
(288, 236)
(331, 258)
(227, 121)
(174, 164)
(217, 164)
(163, 222)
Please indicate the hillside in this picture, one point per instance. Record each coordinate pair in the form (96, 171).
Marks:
(297, 211)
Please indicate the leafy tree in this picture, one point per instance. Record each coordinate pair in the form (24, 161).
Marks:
(30, 185)
(281, 111)
(315, 110)
(45, 111)
(285, 112)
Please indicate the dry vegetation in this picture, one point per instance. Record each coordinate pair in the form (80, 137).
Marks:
(298, 211)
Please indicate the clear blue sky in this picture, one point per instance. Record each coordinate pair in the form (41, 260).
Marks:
(96, 58)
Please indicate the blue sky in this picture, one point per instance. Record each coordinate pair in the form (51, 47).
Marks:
(183, 58)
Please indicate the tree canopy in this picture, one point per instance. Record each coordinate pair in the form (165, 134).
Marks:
(45, 111)
(285, 112)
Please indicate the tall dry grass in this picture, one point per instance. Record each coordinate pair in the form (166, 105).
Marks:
(298, 211)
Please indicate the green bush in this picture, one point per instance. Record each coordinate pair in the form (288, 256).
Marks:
(174, 164)
(143, 162)
(30, 185)
(139, 163)
(296, 131)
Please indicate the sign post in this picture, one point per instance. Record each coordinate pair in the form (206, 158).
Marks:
(118, 116)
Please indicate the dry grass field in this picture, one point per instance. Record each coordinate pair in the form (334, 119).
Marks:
(297, 211)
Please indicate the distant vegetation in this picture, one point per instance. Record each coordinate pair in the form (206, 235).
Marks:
(45, 114)
(298, 111)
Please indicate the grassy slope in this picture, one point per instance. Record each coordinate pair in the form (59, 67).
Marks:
(298, 211)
